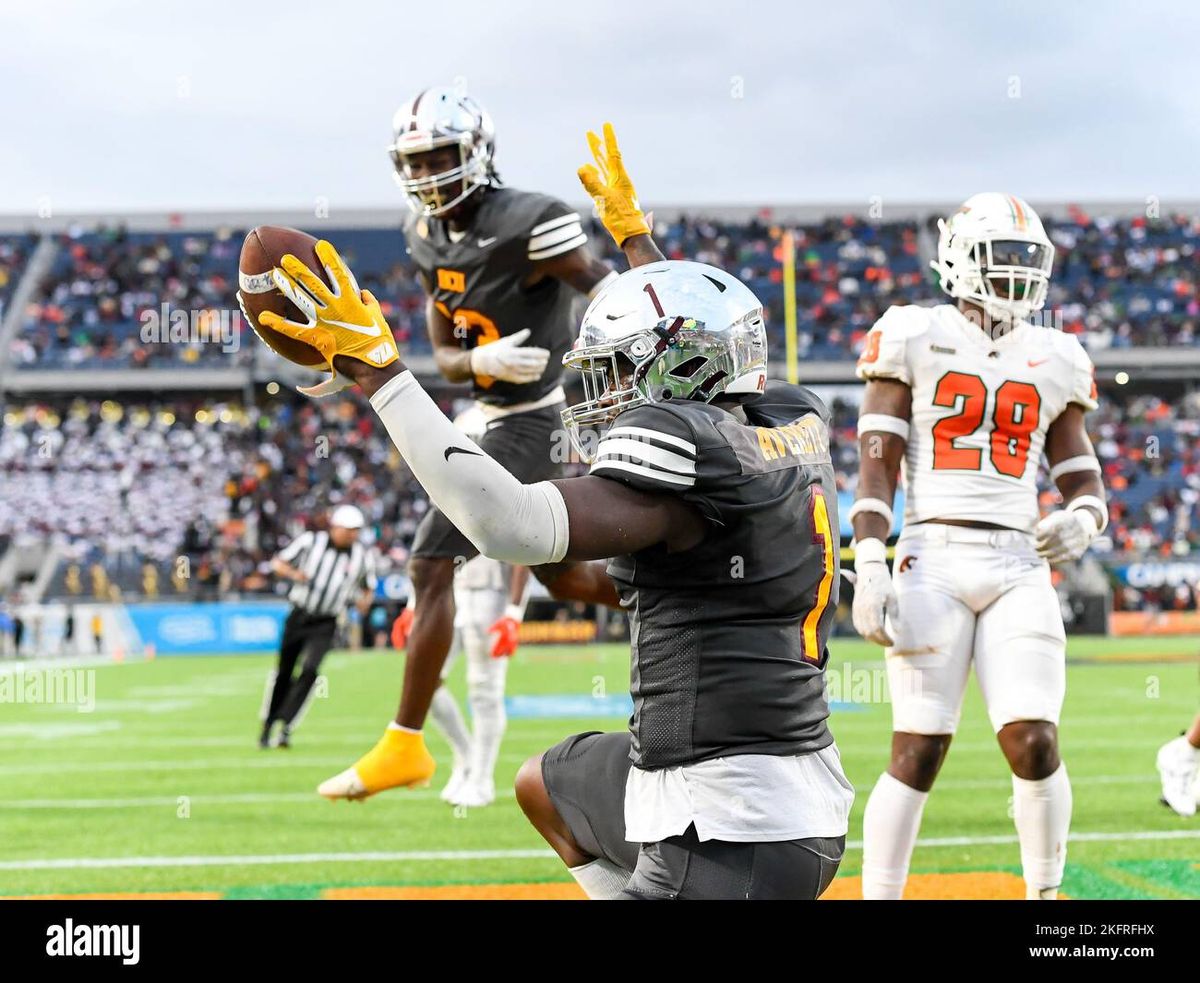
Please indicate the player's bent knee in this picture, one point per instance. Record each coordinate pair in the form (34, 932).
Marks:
(531, 790)
(917, 758)
(535, 802)
(1031, 747)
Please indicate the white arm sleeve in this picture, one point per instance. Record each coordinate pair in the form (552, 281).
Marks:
(505, 519)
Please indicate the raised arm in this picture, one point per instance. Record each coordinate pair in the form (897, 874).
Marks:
(584, 518)
(616, 202)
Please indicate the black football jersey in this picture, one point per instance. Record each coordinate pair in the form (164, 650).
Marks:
(477, 281)
(729, 638)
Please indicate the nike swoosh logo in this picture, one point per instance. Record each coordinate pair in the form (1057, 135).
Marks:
(370, 330)
(1042, 361)
(484, 243)
(460, 450)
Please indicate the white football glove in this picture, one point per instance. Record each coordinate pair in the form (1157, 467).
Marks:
(874, 596)
(1065, 535)
(504, 359)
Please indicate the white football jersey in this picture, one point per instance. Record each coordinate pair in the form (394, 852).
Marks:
(481, 573)
(980, 409)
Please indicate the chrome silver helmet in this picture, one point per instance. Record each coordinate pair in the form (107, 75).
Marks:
(667, 330)
(441, 116)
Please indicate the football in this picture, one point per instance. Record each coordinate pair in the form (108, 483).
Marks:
(262, 251)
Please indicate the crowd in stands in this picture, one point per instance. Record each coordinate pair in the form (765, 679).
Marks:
(194, 495)
(102, 302)
(14, 253)
(1117, 283)
(109, 482)
(1150, 450)
(848, 272)
(1121, 283)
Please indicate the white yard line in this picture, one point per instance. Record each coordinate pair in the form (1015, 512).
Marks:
(276, 759)
(411, 856)
(202, 799)
(1149, 834)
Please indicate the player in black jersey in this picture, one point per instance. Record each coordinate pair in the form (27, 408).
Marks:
(502, 270)
(714, 492)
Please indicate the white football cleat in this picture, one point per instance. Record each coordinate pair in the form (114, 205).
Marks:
(458, 778)
(346, 785)
(1178, 762)
(476, 795)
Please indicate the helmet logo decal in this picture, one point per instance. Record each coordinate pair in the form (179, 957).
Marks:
(658, 308)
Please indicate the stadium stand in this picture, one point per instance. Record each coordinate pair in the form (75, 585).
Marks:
(14, 253)
(224, 485)
(1119, 283)
(177, 481)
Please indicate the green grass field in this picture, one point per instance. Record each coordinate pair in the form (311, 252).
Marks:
(162, 788)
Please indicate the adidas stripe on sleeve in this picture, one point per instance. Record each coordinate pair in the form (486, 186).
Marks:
(556, 236)
(653, 451)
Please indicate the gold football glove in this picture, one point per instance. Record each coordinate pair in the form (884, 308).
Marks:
(612, 190)
(342, 321)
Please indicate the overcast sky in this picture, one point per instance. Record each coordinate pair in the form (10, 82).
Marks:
(141, 105)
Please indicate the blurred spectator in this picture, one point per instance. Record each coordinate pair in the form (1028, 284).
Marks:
(1117, 283)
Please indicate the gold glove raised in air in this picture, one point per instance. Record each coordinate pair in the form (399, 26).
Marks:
(611, 189)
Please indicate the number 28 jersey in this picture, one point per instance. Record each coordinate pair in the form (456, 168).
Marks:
(980, 409)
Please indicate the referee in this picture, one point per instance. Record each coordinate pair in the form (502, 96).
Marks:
(326, 568)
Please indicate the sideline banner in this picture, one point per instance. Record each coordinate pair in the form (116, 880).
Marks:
(1154, 623)
(203, 628)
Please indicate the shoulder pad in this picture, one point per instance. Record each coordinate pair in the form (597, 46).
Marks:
(885, 352)
(548, 226)
(905, 320)
(1081, 371)
(652, 447)
(782, 402)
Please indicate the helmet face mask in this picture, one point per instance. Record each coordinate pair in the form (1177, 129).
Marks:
(1014, 275)
(995, 254)
(439, 119)
(705, 337)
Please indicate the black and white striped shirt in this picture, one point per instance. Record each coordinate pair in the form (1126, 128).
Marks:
(333, 574)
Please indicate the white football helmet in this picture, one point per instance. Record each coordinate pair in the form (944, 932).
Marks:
(994, 252)
(667, 330)
(441, 116)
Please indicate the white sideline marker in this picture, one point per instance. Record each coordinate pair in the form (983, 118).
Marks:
(425, 855)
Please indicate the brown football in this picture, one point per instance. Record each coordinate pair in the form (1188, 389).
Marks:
(262, 251)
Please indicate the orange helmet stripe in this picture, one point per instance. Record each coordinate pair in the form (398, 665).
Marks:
(1018, 212)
